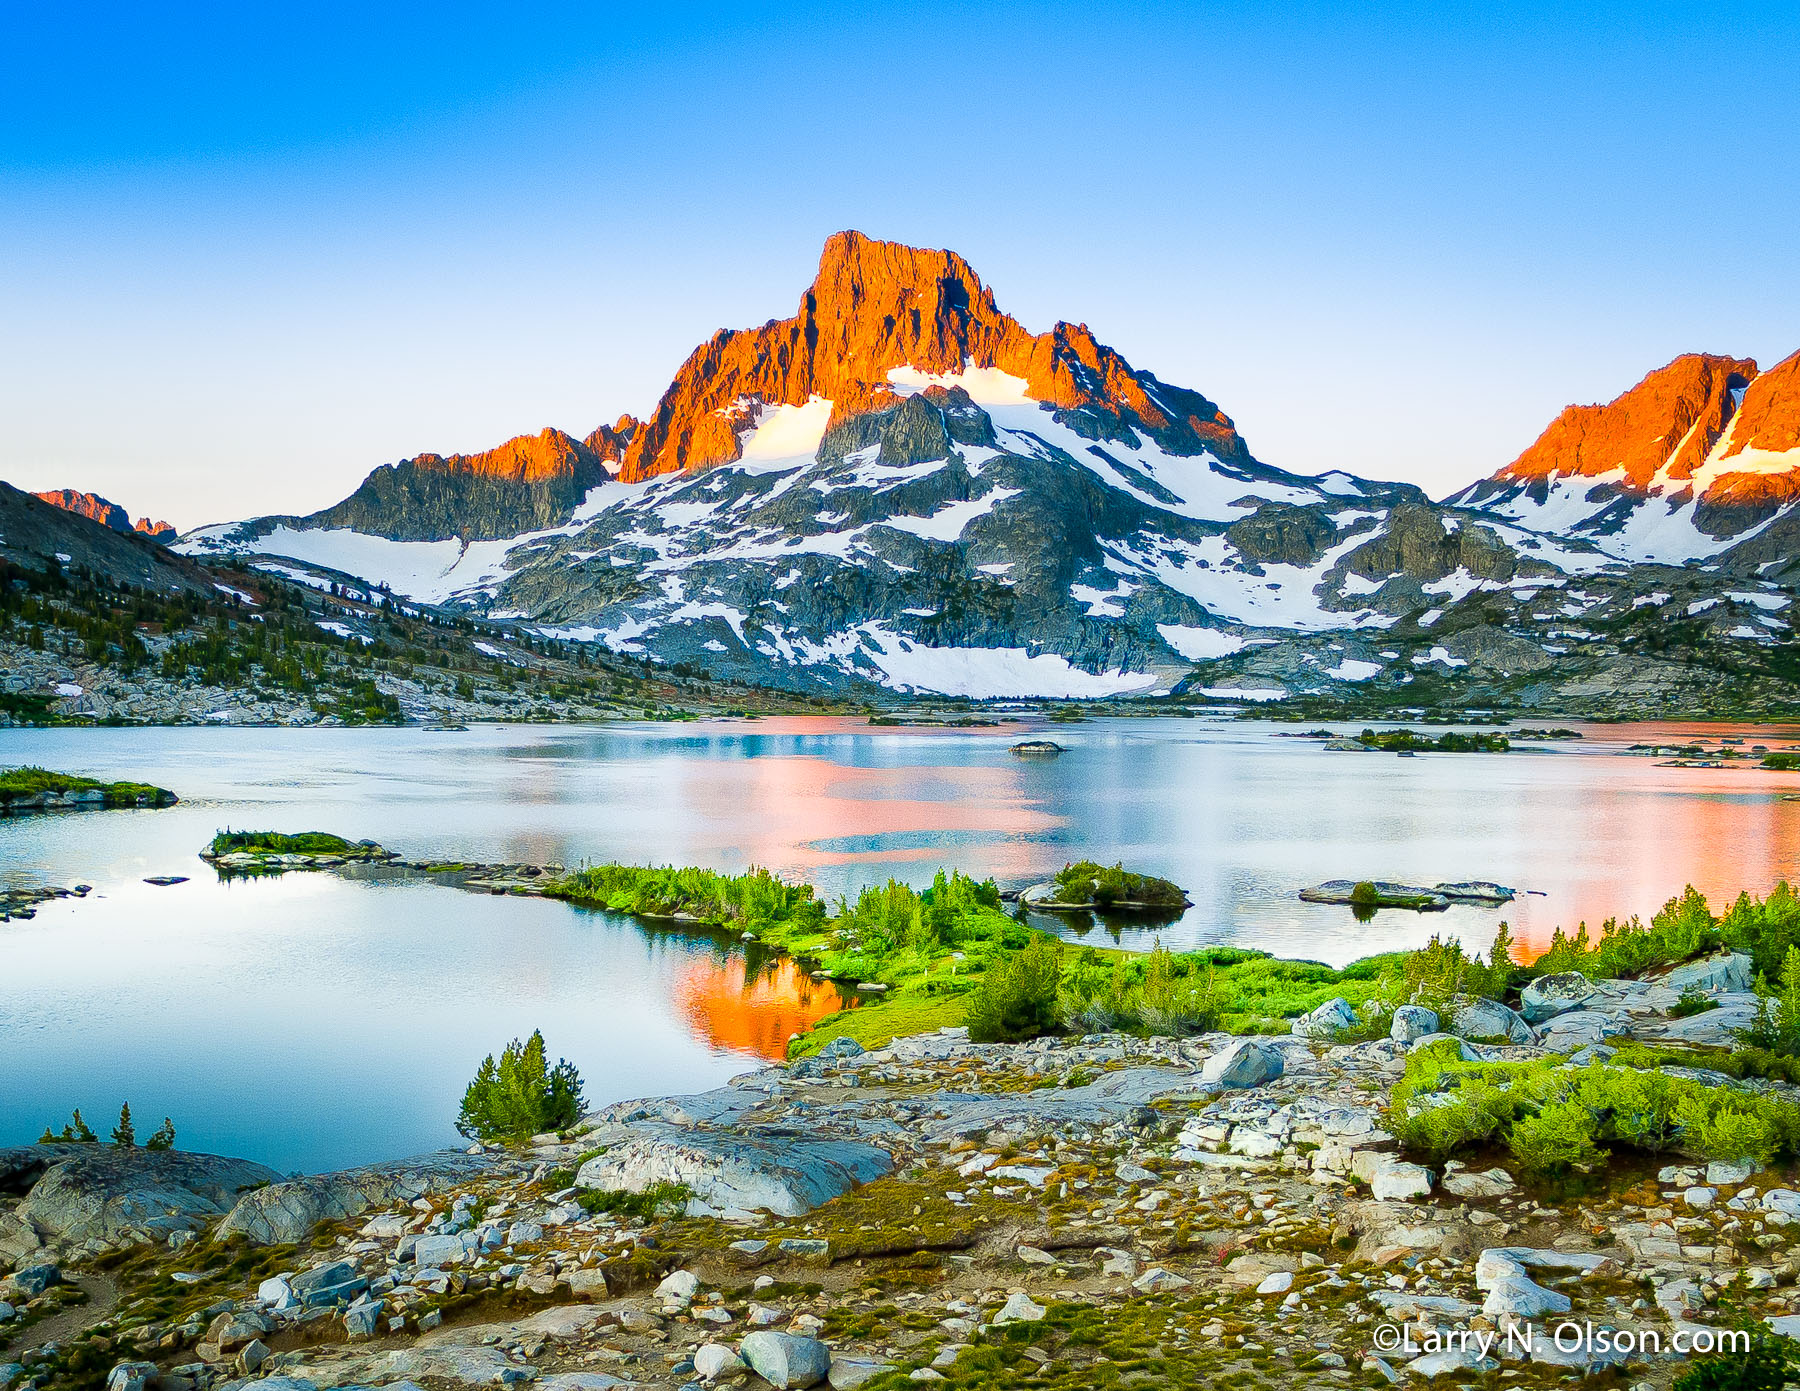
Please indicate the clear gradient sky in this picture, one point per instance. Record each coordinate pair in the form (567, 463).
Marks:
(249, 252)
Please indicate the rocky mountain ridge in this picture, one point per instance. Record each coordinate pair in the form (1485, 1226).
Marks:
(108, 513)
(901, 487)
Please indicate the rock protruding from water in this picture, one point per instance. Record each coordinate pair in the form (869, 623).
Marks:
(1037, 748)
(1386, 893)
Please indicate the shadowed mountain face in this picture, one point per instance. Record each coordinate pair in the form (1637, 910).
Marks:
(39, 535)
(526, 484)
(901, 486)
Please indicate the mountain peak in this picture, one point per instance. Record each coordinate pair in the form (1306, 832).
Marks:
(877, 306)
(1664, 426)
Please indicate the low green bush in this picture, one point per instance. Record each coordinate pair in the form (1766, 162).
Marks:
(279, 843)
(656, 1201)
(1017, 996)
(1554, 1117)
(755, 900)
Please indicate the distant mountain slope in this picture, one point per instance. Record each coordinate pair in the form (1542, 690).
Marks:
(1688, 462)
(530, 482)
(39, 535)
(109, 514)
(902, 487)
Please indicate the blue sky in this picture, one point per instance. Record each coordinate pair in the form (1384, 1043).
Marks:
(247, 253)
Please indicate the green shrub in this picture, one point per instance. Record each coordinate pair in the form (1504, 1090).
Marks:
(1767, 1366)
(1683, 928)
(1690, 1002)
(755, 900)
(279, 843)
(1553, 1117)
(656, 1201)
(1782, 761)
(76, 1132)
(1365, 894)
(520, 1095)
(1017, 996)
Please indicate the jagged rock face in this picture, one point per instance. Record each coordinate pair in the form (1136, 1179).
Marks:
(609, 442)
(877, 306)
(1698, 455)
(156, 531)
(1666, 424)
(527, 484)
(1418, 544)
(90, 505)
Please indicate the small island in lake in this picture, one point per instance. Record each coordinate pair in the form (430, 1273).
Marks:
(32, 789)
(1086, 886)
(276, 852)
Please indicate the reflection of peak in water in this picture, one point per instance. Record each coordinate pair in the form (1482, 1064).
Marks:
(728, 1006)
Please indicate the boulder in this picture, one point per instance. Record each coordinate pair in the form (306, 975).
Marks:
(121, 1196)
(733, 1173)
(1020, 1308)
(1720, 972)
(786, 1360)
(1548, 996)
(848, 1373)
(1245, 1063)
(1330, 1018)
(678, 1287)
(716, 1362)
(1466, 1183)
(1411, 1022)
(1520, 1297)
(29, 1281)
(286, 1212)
(1397, 1181)
(1484, 1019)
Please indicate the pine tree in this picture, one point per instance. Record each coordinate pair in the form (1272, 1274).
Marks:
(164, 1138)
(123, 1136)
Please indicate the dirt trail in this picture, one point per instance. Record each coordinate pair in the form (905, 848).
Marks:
(102, 1298)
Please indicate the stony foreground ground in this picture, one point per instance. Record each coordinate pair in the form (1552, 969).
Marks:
(1065, 1213)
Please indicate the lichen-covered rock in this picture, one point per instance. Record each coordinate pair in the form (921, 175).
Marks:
(106, 1193)
(1411, 1022)
(1330, 1018)
(1551, 995)
(1245, 1063)
(287, 1212)
(735, 1173)
(1489, 1019)
(785, 1360)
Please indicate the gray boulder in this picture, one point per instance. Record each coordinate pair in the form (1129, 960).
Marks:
(1413, 1021)
(1723, 971)
(1245, 1063)
(1483, 1019)
(786, 1360)
(1548, 996)
(123, 1196)
(287, 1212)
(1332, 1017)
(735, 1173)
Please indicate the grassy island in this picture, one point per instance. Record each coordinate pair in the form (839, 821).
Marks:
(40, 789)
(273, 852)
(1451, 741)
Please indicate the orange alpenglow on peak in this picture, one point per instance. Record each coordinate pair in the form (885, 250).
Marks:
(535, 458)
(1769, 419)
(875, 306)
(1670, 420)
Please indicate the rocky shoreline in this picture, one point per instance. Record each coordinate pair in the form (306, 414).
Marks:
(1217, 1210)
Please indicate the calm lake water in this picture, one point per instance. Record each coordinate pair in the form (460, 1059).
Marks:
(312, 1022)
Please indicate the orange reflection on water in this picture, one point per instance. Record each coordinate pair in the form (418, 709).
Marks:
(796, 801)
(733, 1005)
